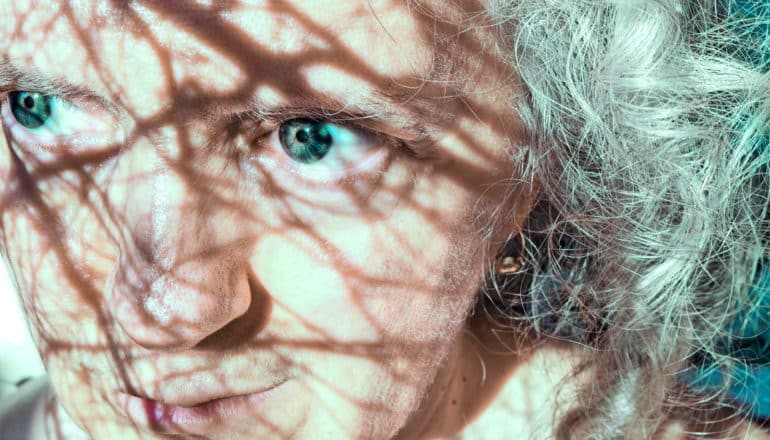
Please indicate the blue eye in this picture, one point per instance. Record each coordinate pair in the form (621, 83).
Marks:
(32, 110)
(305, 140)
(36, 119)
(321, 150)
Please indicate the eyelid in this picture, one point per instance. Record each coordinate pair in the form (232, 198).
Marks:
(263, 140)
(281, 115)
(267, 122)
(308, 176)
(418, 143)
(59, 89)
(103, 127)
(85, 102)
(90, 104)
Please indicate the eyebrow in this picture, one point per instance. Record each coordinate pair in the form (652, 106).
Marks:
(378, 109)
(382, 111)
(30, 79)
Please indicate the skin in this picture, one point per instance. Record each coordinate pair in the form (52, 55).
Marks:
(170, 249)
(167, 247)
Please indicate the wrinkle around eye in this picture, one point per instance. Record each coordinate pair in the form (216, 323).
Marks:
(335, 169)
(76, 127)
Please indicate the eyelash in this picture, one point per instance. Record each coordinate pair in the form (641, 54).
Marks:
(259, 129)
(99, 132)
(265, 126)
(266, 122)
(274, 118)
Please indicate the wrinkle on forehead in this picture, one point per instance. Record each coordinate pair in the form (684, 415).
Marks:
(131, 51)
(159, 58)
(293, 33)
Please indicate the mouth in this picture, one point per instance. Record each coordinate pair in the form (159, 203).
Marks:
(202, 418)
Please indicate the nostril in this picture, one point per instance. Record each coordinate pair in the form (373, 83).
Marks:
(177, 309)
(244, 328)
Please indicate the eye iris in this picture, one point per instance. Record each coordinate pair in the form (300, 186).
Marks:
(305, 140)
(32, 110)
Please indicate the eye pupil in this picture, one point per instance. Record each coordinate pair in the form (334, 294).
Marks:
(303, 136)
(32, 110)
(305, 140)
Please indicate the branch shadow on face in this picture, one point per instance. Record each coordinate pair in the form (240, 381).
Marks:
(106, 243)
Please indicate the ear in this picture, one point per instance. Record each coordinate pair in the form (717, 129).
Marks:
(518, 204)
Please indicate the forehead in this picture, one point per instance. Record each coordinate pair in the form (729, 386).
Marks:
(130, 50)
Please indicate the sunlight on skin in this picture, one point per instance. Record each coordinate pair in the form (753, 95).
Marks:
(189, 258)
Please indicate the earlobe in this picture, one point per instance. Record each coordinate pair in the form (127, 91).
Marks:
(520, 200)
(510, 259)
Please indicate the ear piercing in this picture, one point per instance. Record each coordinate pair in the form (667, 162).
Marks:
(511, 261)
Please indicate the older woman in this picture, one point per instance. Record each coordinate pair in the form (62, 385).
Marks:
(386, 219)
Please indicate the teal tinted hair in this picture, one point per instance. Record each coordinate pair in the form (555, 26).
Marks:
(648, 123)
(749, 21)
(745, 377)
(746, 345)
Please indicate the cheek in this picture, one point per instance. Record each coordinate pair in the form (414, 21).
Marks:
(60, 259)
(63, 313)
(51, 264)
(365, 283)
(374, 305)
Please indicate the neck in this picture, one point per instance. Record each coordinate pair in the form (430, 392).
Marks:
(490, 382)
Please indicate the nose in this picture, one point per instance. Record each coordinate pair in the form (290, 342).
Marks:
(182, 272)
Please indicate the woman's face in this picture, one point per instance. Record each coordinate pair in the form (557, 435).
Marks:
(203, 200)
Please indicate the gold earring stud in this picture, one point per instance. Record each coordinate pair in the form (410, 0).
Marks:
(511, 259)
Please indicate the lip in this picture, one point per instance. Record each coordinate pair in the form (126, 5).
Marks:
(201, 419)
